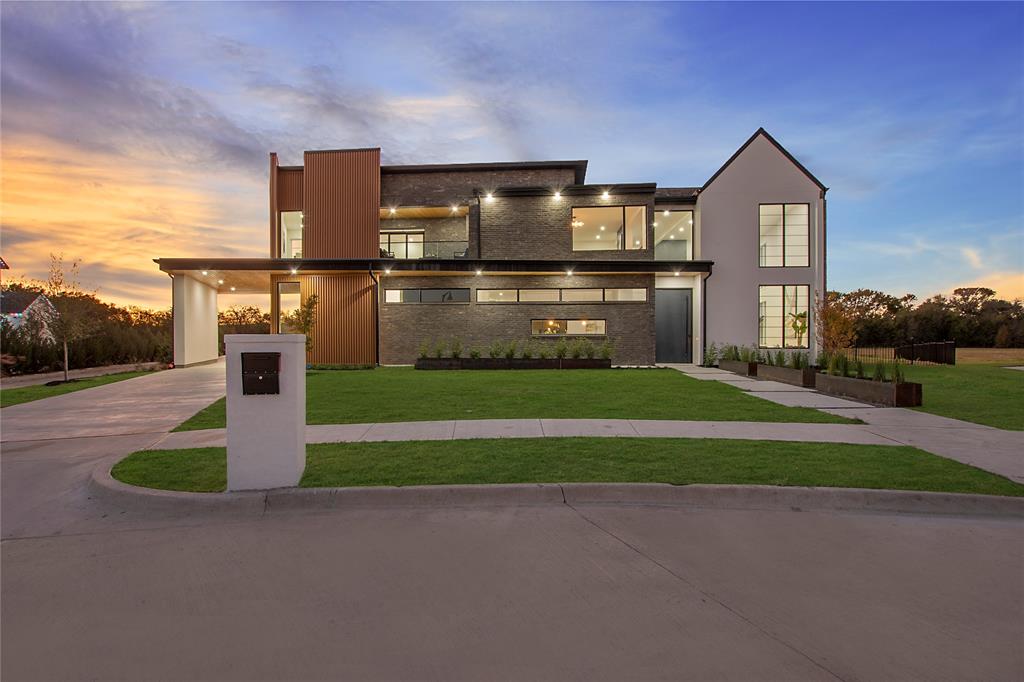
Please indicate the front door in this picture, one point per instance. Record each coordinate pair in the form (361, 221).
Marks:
(673, 325)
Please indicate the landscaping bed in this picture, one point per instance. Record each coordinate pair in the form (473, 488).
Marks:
(678, 461)
(888, 393)
(787, 375)
(513, 363)
(747, 369)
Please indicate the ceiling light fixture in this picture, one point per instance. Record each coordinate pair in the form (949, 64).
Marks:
(558, 195)
(455, 209)
(655, 223)
(220, 281)
(569, 272)
(602, 228)
(664, 213)
(295, 270)
(232, 288)
(490, 197)
(393, 210)
(205, 272)
(479, 271)
(676, 273)
(604, 195)
(387, 271)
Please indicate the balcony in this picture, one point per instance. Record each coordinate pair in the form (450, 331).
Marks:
(413, 248)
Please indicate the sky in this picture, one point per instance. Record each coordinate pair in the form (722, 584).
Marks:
(135, 131)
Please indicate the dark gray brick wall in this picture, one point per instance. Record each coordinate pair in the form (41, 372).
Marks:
(540, 227)
(404, 326)
(442, 189)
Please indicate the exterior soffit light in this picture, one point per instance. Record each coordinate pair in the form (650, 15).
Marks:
(455, 209)
(676, 273)
(479, 271)
(205, 272)
(295, 271)
(558, 195)
(604, 195)
(664, 212)
(220, 281)
(490, 197)
(387, 271)
(569, 272)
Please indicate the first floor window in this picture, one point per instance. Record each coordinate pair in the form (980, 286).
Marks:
(783, 316)
(555, 327)
(289, 299)
(426, 295)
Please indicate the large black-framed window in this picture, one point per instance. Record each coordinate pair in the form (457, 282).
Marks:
(783, 316)
(426, 295)
(784, 235)
(564, 327)
(609, 228)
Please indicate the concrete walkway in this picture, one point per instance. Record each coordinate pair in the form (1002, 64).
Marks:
(42, 378)
(551, 428)
(996, 450)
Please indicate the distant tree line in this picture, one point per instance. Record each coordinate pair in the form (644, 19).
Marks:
(972, 317)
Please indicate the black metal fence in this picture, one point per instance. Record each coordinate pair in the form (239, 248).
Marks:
(935, 353)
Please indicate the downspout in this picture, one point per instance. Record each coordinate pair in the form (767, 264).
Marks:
(376, 316)
(704, 317)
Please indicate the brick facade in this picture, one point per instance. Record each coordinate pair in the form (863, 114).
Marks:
(405, 326)
(447, 187)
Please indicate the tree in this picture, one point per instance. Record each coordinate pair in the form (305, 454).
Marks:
(243, 315)
(72, 319)
(303, 319)
(835, 326)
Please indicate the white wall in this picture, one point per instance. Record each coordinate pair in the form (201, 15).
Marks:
(195, 321)
(728, 234)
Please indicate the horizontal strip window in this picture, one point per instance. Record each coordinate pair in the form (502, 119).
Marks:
(426, 295)
(555, 327)
(623, 295)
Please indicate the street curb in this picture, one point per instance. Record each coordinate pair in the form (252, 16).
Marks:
(738, 497)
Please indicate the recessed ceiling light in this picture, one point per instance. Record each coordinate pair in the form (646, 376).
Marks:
(490, 197)
(637, 242)
(569, 272)
(664, 213)
(454, 209)
(598, 236)
(602, 228)
(393, 210)
(676, 273)
(220, 281)
(294, 270)
(655, 223)
(479, 271)
(671, 236)
(558, 195)
(387, 271)
(205, 272)
(604, 195)
(232, 288)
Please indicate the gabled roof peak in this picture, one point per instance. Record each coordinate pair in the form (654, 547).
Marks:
(762, 132)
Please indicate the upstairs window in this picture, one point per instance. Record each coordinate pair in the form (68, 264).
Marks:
(291, 234)
(784, 240)
(609, 228)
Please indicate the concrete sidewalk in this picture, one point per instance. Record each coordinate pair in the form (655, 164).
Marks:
(996, 450)
(552, 428)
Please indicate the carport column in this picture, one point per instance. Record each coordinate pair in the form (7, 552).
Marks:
(195, 321)
(266, 410)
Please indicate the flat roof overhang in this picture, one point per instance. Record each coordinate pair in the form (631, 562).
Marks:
(252, 275)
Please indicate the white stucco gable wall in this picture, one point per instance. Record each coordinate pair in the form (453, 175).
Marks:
(728, 210)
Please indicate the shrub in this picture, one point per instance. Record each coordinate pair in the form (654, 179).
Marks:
(439, 349)
(780, 359)
(475, 353)
(844, 366)
(576, 349)
(897, 374)
(424, 349)
(456, 347)
(749, 354)
(561, 349)
(833, 365)
(606, 350)
(711, 355)
(824, 359)
(589, 349)
(879, 373)
(496, 350)
(510, 350)
(730, 352)
(527, 351)
(543, 351)
(798, 360)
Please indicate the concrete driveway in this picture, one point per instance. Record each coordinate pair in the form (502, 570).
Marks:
(91, 590)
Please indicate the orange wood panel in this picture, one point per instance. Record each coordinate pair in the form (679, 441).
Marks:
(341, 204)
(289, 190)
(345, 330)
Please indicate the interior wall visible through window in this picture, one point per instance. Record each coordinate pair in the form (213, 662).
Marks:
(291, 234)
(673, 235)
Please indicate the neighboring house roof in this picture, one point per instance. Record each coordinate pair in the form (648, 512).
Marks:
(14, 302)
(762, 131)
(4, 265)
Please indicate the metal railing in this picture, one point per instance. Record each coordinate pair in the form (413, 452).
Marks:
(432, 249)
(933, 352)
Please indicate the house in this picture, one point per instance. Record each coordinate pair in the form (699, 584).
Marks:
(20, 306)
(484, 252)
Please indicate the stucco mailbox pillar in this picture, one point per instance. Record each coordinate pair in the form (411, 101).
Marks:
(266, 410)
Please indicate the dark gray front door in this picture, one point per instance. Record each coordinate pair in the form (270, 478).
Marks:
(673, 324)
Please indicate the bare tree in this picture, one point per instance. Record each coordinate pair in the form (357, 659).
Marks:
(71, 320)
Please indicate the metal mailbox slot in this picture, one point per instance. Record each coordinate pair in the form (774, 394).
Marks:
(260, 373)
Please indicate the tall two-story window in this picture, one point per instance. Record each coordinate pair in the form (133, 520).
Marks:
(784, 236)
(609, 228)
(291, 234)
(783, 316)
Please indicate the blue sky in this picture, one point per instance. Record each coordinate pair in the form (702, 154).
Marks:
(141, 130)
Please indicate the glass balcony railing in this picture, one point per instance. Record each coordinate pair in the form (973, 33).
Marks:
(420, 249)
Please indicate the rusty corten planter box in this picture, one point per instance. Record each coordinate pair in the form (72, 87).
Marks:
(739, 367)
(787, 375)
(907, 394)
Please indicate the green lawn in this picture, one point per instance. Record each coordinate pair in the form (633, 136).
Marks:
(396, 394)
(983, 394)
(534, 460)
(26, 394)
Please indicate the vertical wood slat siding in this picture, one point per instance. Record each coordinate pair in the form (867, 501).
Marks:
(341, 204)
(345, 318)
(289, 190)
